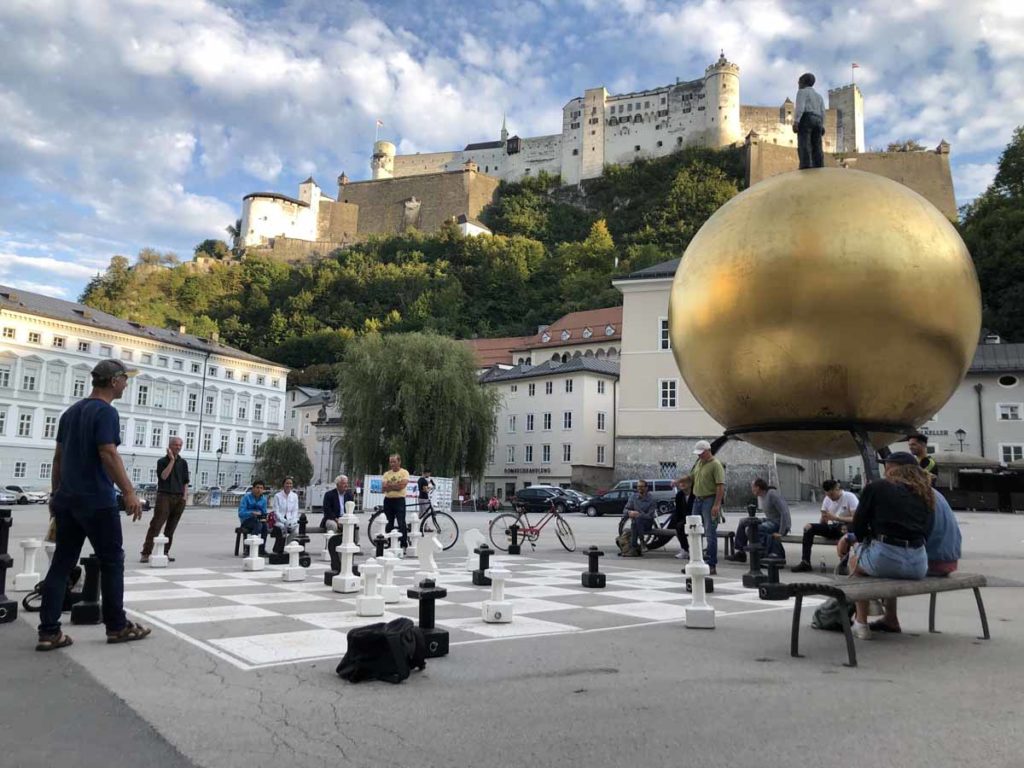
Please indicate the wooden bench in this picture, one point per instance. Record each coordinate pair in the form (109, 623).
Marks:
(850, 589)
(728, 537)
(797, 538)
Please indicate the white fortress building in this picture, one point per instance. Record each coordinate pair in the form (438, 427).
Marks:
(600, 129)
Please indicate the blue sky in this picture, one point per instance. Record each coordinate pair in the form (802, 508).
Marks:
(142, 123)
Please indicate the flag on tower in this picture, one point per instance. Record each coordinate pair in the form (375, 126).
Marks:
(380, 123)
(855, 65)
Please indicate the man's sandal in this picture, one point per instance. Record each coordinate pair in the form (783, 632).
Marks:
(129, 633)
(53, 642)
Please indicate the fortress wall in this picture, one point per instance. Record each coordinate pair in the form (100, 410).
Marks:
(338, 222)
(430, 162)
(765, 122)
(292, 249)
(927, 173)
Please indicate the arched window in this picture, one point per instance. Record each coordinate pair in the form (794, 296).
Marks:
(556, 357)
(565, 358)
(612, 352)
(599, 354)
(589, 353)
(577, 354)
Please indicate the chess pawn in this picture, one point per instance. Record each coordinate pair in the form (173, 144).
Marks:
(325, 555)
(395, 550)
(293, 571)
(370, 602)
(699, 615)
(158, 559)
(29, 576)
(497, 610)
(253, 562)
(388, 589)
(414, 535)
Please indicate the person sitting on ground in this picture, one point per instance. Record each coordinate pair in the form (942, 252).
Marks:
(252, 512)
(640, 509)
(683, 509)
(777, 523)
(943, 548)
(286, 514)
(334, 504)
(837, 510)
(891, 525)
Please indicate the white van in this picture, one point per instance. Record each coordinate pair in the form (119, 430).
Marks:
(663, 491)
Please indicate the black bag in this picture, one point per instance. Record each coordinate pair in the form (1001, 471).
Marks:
(827, 616)
(381, 651)
(33, 601)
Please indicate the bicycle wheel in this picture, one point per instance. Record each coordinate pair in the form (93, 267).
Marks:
(443, 525)
(564, 533)
(498, 531)
(378, 522)
(650, 540)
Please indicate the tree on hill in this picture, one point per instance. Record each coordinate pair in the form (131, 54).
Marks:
(905, 145)
(281, 457)
(214, 249)
(993, 229)
(415, 394)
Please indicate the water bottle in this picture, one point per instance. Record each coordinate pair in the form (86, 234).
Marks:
(822, 567)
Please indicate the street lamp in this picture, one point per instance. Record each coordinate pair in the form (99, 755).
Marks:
(216, 474)
(960, 435)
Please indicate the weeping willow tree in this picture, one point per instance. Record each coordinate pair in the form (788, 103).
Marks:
(415, 394)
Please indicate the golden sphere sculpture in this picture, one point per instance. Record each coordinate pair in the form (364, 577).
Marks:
(824, 298)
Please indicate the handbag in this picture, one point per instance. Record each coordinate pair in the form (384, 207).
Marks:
(271, 519)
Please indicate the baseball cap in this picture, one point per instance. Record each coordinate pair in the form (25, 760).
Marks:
(700, 447)
(108, 369)
(899, 457)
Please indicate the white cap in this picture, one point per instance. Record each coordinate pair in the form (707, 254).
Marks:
(700, 447)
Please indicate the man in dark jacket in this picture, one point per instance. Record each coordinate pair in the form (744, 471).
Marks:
(640, 509)
(334, 503)
(683, 509)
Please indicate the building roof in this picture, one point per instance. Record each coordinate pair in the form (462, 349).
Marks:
(494, 351)
(464, 219)
(485, 145)
(277, 196)
(998, 357)
(576, 324)
(17, 300)
(598, 365)
(662, 270)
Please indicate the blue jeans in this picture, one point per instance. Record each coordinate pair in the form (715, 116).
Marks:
(640, 526)
(702, 507)
(103, 529)
(765, 531)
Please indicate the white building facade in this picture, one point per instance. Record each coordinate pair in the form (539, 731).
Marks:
(222, 402)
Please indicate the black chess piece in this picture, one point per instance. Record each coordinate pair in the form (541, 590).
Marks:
(709, 584)
(774, 564)
(427, 593)
(87, 610)
(480, 577)
(592, 578)
(8, 608)
(754, 577)
(378, 545)
(513, 546)
(333, 543)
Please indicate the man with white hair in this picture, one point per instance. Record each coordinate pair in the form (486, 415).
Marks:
(334, 503)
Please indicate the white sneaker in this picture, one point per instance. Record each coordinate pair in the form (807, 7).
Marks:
(682, 554)
(861, 631)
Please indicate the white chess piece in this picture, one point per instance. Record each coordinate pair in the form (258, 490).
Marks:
(699, 615)
(428, 549)
(158, 559)
(412, 550)
(347, 582)
(395, 550)
(29, 576)
(293, 571)
(472, 539)
(253, 562)
(325, 554)
(388, 589)
(370, 602)
(497, 610)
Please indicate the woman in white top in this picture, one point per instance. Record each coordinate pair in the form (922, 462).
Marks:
(286, 509)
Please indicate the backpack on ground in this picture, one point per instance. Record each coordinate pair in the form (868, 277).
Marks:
(382, 651)
(827, 615)
(33, 601)
(624, 541)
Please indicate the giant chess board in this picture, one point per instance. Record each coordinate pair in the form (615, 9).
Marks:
(255, 620)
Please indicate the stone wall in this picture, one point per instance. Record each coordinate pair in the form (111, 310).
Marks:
(338, 222)
(292, 249)
(927, 173)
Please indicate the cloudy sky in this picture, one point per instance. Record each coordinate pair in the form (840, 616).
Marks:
(135, 123)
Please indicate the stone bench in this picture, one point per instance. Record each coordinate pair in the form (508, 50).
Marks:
(850, 589)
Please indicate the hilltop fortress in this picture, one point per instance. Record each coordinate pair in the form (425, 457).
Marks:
(422, 191)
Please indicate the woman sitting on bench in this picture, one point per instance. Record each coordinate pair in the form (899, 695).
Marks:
(891, 523)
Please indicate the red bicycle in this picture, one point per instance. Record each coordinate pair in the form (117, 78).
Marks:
(500, 530)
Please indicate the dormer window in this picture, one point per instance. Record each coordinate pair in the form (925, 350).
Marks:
(545, 337)
(565, 335)
(587, 333)
(609, 330)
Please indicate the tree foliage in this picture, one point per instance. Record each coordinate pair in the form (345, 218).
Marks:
(281, 457)
(993, 228)
(415, 394)
(905, 145)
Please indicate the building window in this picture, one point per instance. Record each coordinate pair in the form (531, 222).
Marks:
(664, 342)
(276, 383)
(549, 387)
(510, 454)
(34, 337)
(3, 421)
(529, 422)
(126, 354)
(224, 443)
(566, 452)
(240, 445)
(547, 422)
(196, 368)
(220, 479)
(177, 365)
(305, 429)
(513, 388)
(229, 375)
(190, 439)
(600, 387)
(512, 423)
(567, 420)
(136, 474)
(1009, 411)
(245, 378)
(193, 402)
(19, 469)
(84, 346)
(204, 478)
(238, 478)
(8, 333)
(78, 388)
(545, 454)
(207, 441)
(490, 454)
(601, 416)
(257, 411)
(50, 427)
(140, 435)
(1012, 452)
(45, 470)
(55, 381)
(568, 385)
(5, 376)
(147, 358)
(25, 425)
(211, 402)
(528, 457)
(257, 440)
(261, 380)
(122, 427)
(243, 410)
(275, 412)
(59, 342)
(28, 382)
(172, 432)
(600, 454)
(106, 350)
(156, 437)
(211, 371)
(225, 407)
(161, 362)
(667, 393)
(142, 398)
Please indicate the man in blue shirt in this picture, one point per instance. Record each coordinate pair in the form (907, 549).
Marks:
(640, 509)
(86, 466)
(252, 512)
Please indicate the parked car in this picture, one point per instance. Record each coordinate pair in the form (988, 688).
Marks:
(7, 497)
(538, 498)
(580, 496)
(28, 495)
(608, 503)
(146, 506)
(662, 491)
(145, 488)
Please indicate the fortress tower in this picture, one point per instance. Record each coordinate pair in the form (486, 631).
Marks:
(849, 106)
(722, 97)
(382, 165)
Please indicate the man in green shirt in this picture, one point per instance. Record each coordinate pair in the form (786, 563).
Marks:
(709, 491)
(919, 447)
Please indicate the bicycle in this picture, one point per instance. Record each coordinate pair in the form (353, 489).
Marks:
(501, 536)
(650, 540)
(432, 520)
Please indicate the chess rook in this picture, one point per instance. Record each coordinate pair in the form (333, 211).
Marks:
(158, 559)
(370, 603)
(87, 610)
(592, 578)
(497, 610)
(253, 561)
(480, 574)
(513, 543)
(437, 639)
(8, 608)
(345, 581)
(293, 571)
(29, 576)
(699, 615)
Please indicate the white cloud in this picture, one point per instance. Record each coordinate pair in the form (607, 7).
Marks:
(972, 179)
(45, 264)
